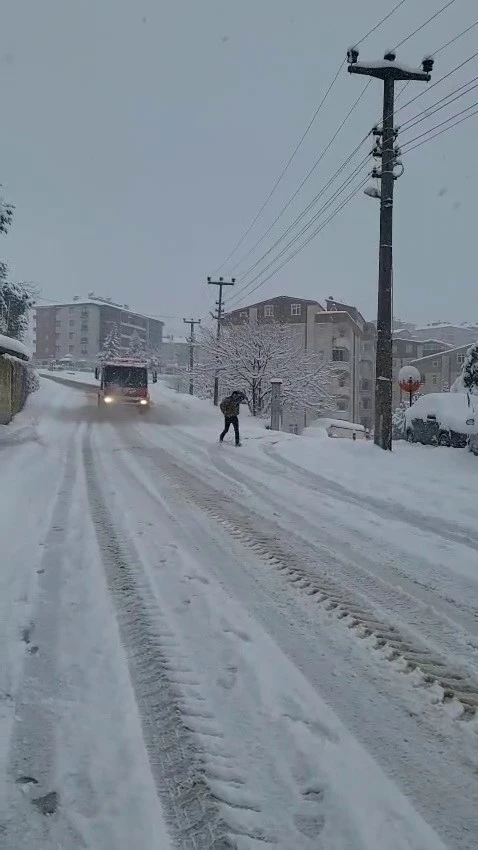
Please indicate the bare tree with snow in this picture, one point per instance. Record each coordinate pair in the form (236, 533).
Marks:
(247, 356)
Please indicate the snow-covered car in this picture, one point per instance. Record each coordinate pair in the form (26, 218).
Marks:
(441, 419)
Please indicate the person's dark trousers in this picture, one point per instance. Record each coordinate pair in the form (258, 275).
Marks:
(228, 421)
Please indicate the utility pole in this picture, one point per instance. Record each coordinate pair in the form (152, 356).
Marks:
(219, 304)
(191, 323)
(389, 72)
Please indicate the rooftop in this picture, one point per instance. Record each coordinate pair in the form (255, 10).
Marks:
(96, 302)
(8, 345)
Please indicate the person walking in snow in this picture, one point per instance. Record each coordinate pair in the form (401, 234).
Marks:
(230, 408)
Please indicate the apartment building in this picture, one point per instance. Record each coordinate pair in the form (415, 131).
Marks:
(339, 335)
(78, 329)
(439, 370)
(453, 335)
(406, 351)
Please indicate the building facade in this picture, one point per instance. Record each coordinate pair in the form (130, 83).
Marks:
(406, 351)
(338, 335)
(440, 370)
(79, 328)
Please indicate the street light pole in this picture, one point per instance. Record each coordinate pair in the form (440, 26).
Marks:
(389, 72)
(219, 304)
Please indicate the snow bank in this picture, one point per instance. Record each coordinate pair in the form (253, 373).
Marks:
(14, 346)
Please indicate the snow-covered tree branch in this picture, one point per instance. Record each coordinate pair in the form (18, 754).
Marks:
(248, 356)
(16, 301)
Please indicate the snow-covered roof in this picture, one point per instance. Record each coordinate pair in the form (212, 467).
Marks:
(92, 302)
(14, 346)
(461, 326)
(457, 350)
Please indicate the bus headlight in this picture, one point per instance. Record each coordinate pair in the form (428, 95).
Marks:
(143, 401)
(108, 399)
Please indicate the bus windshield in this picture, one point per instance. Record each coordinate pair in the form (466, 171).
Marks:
(125, 376)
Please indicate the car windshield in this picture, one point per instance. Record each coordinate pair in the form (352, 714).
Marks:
(125, 376)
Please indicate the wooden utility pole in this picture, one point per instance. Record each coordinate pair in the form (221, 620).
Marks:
(388, 71)
(219, 304)
(192, 341)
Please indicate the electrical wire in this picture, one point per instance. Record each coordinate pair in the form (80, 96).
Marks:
(306, 178)
(440, 133)
(309, 207)
(422, 26)
(312, 236)
(310, 223)
(446, 121)
(455, 38)
(303, 137)
(429, 111)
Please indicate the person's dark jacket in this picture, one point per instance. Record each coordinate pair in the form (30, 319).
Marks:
(230, 406)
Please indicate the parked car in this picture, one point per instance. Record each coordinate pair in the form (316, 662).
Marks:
(441, 419)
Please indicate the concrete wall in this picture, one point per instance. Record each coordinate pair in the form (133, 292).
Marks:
(13, 389)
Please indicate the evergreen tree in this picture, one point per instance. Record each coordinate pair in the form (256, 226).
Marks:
(470, 370)
(112, 345)
(16, 301)
(136, 348)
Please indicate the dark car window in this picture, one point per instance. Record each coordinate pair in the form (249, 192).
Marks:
(125, 377)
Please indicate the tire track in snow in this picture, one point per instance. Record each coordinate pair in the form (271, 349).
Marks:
(31, 767)
(351, 609)
(190, 762)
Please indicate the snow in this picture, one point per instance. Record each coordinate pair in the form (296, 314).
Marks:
(10, 344)
(326, 422)
(385, 64)
(166, 668)
(451, 410)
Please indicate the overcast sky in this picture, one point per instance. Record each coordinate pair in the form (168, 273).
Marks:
(140, 138)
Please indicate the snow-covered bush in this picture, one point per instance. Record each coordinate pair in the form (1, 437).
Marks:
(399, 422)
(33, 381)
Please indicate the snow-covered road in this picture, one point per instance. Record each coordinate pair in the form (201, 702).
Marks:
(209, 648)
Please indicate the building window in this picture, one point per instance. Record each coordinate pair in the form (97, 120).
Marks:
(435, 363)
(409, 349)
(72, 323)
(71, 348)
(84, 326)
(321, 355)
(72, 309)
(423, 379)
(84, 340)
(84, 350)
(340, 355)
(57, 334)
(293, 429)
(366, 403)
(70, 335)
(268, 311)
(342, 404)
(434, 379)
(460, 359)
(365, 385)
(295, 309)
(243, 314)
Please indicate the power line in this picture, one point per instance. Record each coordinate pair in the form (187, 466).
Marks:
(445, 77)
(440, 133)
(309, 207)
(304, 135)
(312, 236)
(422, 26)
(284, 170)
(240, 294)
(429, 111)
(304, 181)
(455, 38)
(353, 107)
(446, 121)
